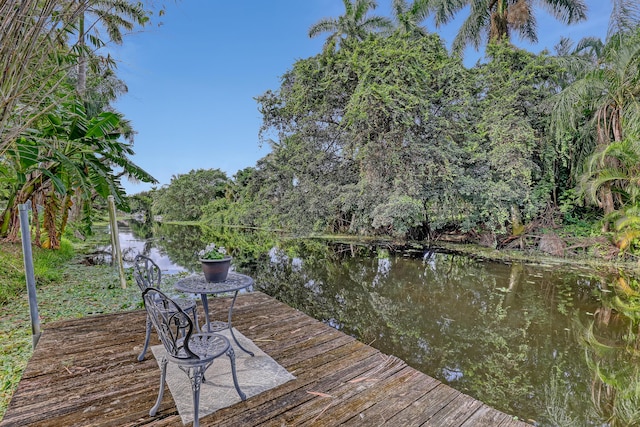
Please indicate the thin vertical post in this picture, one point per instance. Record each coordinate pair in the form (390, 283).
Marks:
(116, 253)
(27, 256)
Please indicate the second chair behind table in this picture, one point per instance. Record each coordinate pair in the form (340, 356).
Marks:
(147, 274)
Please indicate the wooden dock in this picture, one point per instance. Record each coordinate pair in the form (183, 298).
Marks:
(84, 373)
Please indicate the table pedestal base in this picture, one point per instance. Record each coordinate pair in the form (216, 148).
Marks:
(217, 326)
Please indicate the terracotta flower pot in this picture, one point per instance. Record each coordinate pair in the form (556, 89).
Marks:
(216, 270)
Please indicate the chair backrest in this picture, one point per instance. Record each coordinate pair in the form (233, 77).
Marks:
(146, 273)
(173, 325)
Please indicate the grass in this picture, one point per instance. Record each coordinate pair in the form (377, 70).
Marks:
(66, 289)
(45, 265)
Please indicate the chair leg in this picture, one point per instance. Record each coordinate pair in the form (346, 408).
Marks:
(232, 358)
(146, 340)
(195, 318)
(163, 376)
(196, 383)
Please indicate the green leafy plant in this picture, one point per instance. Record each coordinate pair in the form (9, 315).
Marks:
(212, 251)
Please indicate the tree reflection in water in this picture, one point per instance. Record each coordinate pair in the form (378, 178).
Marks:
(509, 335)
(612, 345)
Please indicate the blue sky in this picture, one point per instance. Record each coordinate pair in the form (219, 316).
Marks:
(192, 80)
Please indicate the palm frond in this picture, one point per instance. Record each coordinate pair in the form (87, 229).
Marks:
(625, 17)
(473, 30)
(445, 10)
(323, 26)
(566, 11)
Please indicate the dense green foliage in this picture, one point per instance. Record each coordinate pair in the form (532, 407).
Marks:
(185, 196)
(387, 133)
(384, 132)
(62, 145)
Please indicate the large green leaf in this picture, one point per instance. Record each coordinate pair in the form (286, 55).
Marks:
(101, 126)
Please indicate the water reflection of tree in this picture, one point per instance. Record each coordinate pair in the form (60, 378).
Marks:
(613, 356)
(181, 243)
(486, 330)
(142, 230)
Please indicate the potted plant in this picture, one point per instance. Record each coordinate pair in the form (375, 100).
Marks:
(215, 263)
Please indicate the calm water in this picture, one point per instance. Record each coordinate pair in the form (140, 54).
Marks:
(518, 337)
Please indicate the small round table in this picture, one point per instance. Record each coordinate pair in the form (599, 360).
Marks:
(197, 284)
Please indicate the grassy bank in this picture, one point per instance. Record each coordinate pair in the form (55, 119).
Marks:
(66, 288)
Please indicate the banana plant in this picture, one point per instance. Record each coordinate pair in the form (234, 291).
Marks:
(70, 160)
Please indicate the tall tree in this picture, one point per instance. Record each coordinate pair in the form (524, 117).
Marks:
(602, 108)
(364, 145)
(187, 194)
(495, 20)
(625, 17)
(353, 24)
(112, 15)
(511, 175)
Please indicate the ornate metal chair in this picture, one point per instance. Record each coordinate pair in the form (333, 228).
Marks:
(192, 352)
(147, 274)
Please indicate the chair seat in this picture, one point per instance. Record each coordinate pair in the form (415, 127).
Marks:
(185, 304)
(205, 346)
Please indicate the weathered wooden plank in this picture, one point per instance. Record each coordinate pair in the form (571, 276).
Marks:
(317, 346)
(90, 396)
(399, 399)
(486, 417)
(456, 412)
(362, 396)
(85, 372)
(328, 388)
(425, 407)
(269, 407)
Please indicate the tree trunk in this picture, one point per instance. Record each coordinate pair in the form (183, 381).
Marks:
(36, 222)
(517, 228)
(5, 223)
(81, 84)
(606, 203)
(50, 211)
(499, 27)
(66, 207)
(10, 218)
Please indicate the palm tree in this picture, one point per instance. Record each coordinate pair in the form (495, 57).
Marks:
(353, 24)
(408, 16)
(112, 15)
(601, 111)
(494, 20)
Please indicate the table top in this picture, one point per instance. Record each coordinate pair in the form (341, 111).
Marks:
(197, 284)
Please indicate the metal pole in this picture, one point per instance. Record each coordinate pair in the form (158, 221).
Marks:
(27, 256)
(116, 253)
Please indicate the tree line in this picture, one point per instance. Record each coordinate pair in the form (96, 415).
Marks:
(383, 132)
(386, 132)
